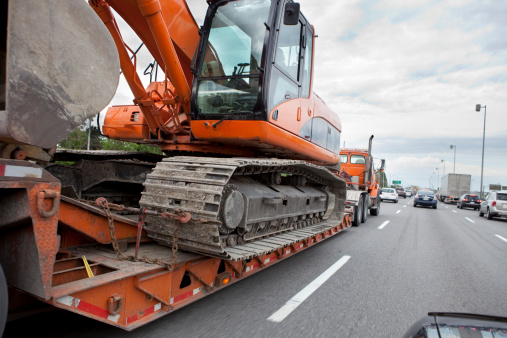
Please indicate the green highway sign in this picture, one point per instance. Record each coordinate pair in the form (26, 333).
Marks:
(396, 182)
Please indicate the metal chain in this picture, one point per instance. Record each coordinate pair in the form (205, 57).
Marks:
(112, 231)
(181, 216)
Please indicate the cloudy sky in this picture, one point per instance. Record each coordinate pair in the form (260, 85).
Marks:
(411, 73)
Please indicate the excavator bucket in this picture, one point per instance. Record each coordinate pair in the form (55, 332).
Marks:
(58, 67)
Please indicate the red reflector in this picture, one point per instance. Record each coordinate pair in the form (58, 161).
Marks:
(493, 204)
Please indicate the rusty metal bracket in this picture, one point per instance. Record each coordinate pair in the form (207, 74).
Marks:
(261, 263)
(207, 287)
(49, 194)
(114, 304)
(236, 271)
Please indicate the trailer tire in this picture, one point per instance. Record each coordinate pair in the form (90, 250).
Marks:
(375, 211)
(358, 213)
(365, 209)
(4, 301)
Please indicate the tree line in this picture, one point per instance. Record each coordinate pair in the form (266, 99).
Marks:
(78, 140)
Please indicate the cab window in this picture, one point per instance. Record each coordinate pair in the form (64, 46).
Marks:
(343, 158)
(357, 159)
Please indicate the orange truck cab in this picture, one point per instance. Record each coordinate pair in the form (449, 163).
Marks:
(356, 167)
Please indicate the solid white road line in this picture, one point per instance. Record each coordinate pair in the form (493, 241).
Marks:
(468, 219)
(502, 238)
(398, 211)
(383, 225)
(301, 296)
(455, 211)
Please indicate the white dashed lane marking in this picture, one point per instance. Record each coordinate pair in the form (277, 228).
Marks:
(301, 296)
(468, 219)
(383, 225)
(502, 238)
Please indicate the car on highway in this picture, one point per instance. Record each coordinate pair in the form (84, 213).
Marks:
(469, 201)
(408, 192)
(458, 325)
(495, 205)
(425, 198)
(401, 192)
(388, 194)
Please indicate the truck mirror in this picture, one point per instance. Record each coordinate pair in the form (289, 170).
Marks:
(291, 14)
(382, 165)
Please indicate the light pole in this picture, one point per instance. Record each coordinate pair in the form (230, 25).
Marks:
(478, 108)
(454, 168)
(444, 166)
(438, 177)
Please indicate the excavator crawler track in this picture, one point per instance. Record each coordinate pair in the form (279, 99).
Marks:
(241, 208)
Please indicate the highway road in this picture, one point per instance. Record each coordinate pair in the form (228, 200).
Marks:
(391, 271)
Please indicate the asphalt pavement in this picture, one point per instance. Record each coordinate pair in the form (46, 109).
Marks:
(375, 280)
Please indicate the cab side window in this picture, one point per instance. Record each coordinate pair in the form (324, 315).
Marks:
(288, 50)
(285, 76)
(307, 63)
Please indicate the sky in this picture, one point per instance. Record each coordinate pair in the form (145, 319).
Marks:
(410, 73)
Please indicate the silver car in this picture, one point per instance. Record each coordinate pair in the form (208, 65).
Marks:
(388, 194)
(495, 205)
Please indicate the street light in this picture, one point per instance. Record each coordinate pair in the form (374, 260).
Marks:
(478, 108)
(454, 168)
(438, 177)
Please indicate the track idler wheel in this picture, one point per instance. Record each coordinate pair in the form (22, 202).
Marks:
(232, 209)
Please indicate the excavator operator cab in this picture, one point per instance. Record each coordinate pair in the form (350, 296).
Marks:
(254, 55)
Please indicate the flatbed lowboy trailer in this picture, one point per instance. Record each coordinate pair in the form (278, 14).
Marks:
(125, 292)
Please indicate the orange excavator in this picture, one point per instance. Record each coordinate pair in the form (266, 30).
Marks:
(241, 86)
(251, 167)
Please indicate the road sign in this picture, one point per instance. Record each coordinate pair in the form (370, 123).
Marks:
(396, 182)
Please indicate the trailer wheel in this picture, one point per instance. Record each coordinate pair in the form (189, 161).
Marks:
(358, 213)
(375, 211)
(365, 209)
(4, 301)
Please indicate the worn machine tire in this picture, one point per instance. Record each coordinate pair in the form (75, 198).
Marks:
(375, 211)
(358, 213)
(4, 301)
(489, 216)
(365, 209)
